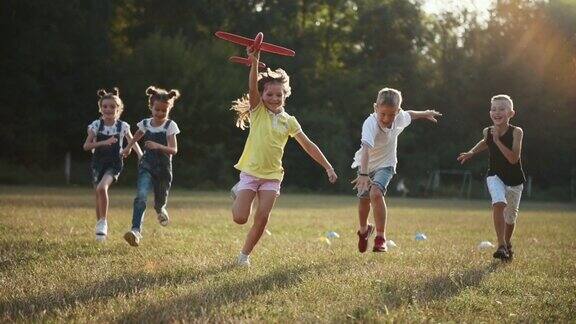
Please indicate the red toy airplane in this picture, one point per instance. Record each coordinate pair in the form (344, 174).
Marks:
(253, 44)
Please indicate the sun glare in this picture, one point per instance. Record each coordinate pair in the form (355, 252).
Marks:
(440, 6)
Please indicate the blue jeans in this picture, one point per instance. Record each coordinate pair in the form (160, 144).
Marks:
(145, 182)
(380, 178)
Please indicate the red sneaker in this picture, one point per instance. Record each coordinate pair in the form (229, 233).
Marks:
(379, 244)
(363, 238)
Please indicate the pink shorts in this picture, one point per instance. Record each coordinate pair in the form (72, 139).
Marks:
(256, 184)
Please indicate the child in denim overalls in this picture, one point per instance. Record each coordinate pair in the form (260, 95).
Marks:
(155, 167)
(105, 137)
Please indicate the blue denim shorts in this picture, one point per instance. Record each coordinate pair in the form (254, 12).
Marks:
(99, 170)
(380, 178)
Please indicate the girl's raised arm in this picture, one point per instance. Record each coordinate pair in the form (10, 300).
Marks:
(253, 79)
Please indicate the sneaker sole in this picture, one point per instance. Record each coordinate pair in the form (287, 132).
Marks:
(100, 237)
(163, 221)
(131, 239)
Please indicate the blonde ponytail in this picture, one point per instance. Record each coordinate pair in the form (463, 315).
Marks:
(242, 108)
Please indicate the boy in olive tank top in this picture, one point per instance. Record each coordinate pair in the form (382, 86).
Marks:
(505, 177)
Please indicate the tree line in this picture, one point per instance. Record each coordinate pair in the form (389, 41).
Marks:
(60, 52)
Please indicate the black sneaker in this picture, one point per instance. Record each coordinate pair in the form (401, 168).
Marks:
(510, 252)
(501, 253)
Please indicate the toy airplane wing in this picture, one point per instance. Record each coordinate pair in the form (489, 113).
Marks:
(235, 38)
(256, 42)
(267, 47)
(245, 61)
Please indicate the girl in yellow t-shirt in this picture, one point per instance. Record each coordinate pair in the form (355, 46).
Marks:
(260, 165)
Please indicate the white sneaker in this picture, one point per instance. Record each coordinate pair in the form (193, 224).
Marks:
(163, 218)
(101, 230)
(243, 260)
(233, 191)
(133, 237)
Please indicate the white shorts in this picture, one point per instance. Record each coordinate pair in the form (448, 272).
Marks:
(510, 195)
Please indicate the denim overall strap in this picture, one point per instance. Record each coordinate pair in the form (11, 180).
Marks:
(167, 124)
(100, 126)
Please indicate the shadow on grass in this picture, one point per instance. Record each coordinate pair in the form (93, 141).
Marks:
(447, 286)
(28, 308)
(395, 293)
(437, 288)
(207, 301)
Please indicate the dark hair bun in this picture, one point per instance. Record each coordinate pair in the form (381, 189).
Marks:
(173, 94)
(101, 93)
(151, 90)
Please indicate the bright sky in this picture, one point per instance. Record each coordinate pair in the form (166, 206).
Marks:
(438, 6)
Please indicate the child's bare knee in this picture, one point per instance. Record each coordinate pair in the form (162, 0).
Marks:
(239, 217)
(240, 220)
(101, 188)
(364, 202)
(375, 193)
(499, 205)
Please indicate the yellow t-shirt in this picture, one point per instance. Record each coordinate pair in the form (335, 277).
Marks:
(269, 132)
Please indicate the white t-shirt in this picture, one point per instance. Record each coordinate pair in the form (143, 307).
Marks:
(110, 130)
(172, 128)
(382, 142)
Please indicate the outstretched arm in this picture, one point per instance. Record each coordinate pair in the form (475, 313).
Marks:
(253, 78)
(479, 147)
(513, 156)
(314, 152)
(426, 114)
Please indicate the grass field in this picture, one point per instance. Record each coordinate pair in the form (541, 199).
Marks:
(51, 268)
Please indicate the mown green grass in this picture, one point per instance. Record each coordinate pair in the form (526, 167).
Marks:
(51, 268)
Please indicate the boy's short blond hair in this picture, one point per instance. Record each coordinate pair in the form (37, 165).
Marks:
(389, 97)
(503, 97)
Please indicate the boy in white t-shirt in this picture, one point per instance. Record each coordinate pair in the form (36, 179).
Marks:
(376, 162)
